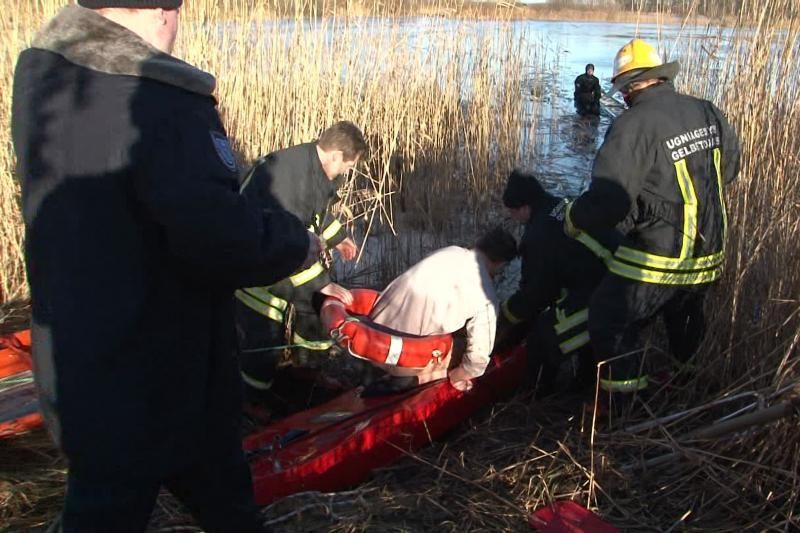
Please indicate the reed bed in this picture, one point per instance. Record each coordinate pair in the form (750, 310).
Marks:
(444, 110)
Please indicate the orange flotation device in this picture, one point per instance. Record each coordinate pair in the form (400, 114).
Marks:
(349, 328)
(18, 406)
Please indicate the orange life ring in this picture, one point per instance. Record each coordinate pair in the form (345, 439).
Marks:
(366, 341)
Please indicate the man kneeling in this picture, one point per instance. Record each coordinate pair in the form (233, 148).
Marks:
(449, 290)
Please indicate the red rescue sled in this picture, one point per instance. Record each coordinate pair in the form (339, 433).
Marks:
(19, 408)
(337, 445)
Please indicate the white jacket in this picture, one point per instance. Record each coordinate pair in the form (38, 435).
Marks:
(442, 293)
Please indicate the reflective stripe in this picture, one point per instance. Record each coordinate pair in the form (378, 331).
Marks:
(565, 323)
(311, 345)
(301, 278)
(514, 319)
(644, 274)
(664, 278)
(668, 263)
(689, 209)
(718, 167)
(627, 385)
(652, 268)
(395, 349)
(259, 307)
(256, 384)
(263, 294)
(578, 341)
(331, 231)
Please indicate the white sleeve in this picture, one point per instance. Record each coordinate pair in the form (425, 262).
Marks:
(480, 340)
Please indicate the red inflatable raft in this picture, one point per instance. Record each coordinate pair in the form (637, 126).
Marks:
(19, 408)
(337, 445)
(350, 329)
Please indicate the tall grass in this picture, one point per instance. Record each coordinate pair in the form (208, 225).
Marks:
(439, 101)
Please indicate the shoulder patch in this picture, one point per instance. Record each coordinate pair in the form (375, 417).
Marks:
(223, 147)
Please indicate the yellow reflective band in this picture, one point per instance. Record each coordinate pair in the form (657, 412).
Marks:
(718, 167)
(565, 323)
(689, 209)
(668, 263)
(256, 384)
(627, 385)
(646, 275)
(301, 278)
(263, 294)
(331, 231)
(664, 278)
(578, 341)
(514, 319)
(311, 345)
(259, 307)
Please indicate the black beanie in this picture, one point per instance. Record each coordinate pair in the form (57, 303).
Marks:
(589, 66)
(523, 189)
(131, 4)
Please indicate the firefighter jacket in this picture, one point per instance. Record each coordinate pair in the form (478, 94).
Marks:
(551, 263)
(295, 177)
(655, 208)
(136, 237)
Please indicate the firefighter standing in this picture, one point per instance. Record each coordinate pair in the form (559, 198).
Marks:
(304, 180)
(655, 213)
(558, 277)
(587, 92)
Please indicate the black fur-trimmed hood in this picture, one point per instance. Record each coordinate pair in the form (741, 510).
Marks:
(92, 41)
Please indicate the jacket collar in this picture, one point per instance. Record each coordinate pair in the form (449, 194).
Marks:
(87, 39)
(652, 93)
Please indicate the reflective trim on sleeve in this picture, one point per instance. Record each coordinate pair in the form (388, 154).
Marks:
(263, 294)
(301, 278)
(332, 229)
(259, 307)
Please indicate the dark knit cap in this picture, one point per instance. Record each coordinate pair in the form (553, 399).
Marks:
(589, 66)
(523, 189)
(131, 4)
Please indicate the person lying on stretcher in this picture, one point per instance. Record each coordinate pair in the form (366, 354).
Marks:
(448, 291)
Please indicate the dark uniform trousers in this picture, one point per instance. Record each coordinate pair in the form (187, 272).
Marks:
(559, 334)
(621, 308)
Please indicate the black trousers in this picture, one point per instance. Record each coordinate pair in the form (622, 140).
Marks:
(620, 309)
(260, 342)
(218, 492)
(559, 333)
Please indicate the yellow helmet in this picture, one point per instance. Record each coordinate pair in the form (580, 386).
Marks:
(639, 60)
(635, 55)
